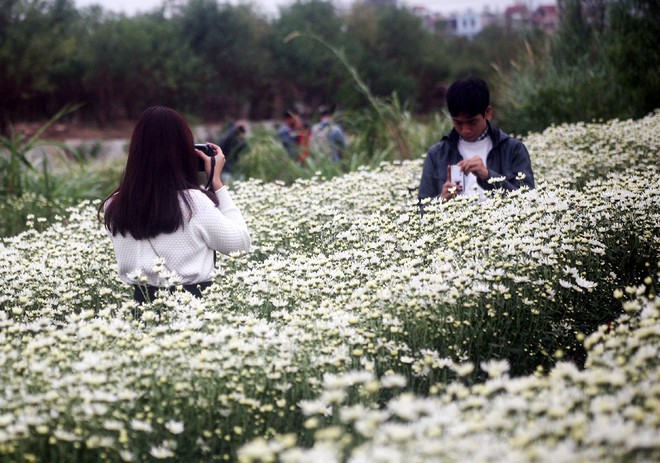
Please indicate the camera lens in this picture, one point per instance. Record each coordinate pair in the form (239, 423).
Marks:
(205, 148)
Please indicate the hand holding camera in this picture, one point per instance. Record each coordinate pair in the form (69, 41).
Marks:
(454, 182)
(476, 166)
(457, 176)
(211, 161)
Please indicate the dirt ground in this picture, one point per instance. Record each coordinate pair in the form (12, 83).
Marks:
(66, 131)
(120, 129)
(112, 139)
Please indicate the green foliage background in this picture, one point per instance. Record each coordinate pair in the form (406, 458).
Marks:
(603, 63)
(348, 258)
(215, 60)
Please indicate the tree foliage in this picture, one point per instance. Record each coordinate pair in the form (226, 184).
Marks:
(216, 60)
(37, 48)
(632, 50)
(211, 59)
(230, 44)
(603, 63)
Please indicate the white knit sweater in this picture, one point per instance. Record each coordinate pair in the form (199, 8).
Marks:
(186, 255)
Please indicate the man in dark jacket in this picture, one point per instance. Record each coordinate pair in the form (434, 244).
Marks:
(482, 156)
(232, 143)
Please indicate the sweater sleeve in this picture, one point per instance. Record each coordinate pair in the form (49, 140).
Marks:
(223, 228)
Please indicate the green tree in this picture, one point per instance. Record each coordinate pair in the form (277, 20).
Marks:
(632, 52)
(150, 66)
(307, 71)
(604, 63)
(36, 44)
(396, 54)
(236, 63)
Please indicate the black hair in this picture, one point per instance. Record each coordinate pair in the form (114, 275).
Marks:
(325, 110)
(161, 165)
(469, 96)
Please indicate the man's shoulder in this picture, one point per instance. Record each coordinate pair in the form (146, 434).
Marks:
(441, 146)
(507, 142)
(501, 136)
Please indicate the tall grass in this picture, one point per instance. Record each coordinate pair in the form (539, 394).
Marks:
(41, 178)
(15, 159)
(601, 63)
(538, 93)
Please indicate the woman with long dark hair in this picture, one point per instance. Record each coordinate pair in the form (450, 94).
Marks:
(164, 226)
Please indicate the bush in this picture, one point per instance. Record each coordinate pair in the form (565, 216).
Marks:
(601, 64)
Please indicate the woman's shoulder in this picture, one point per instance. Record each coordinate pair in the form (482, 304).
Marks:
(197, 196)
(195, 193)
(200, 199)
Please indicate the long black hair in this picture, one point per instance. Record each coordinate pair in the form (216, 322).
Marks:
(161, 166)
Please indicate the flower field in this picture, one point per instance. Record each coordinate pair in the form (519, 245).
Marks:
(524, 328)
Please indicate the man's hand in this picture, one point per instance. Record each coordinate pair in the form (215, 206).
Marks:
(475, 166)
(449, 189)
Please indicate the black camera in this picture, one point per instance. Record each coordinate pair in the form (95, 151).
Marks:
(208, 150)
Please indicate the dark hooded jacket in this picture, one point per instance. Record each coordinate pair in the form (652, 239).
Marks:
(508, 158)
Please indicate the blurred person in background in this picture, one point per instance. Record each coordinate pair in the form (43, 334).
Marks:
(327, 136)
(294, 136)
(233, 143)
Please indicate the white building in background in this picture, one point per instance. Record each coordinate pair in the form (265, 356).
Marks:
(467, 23)
(521, 14)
